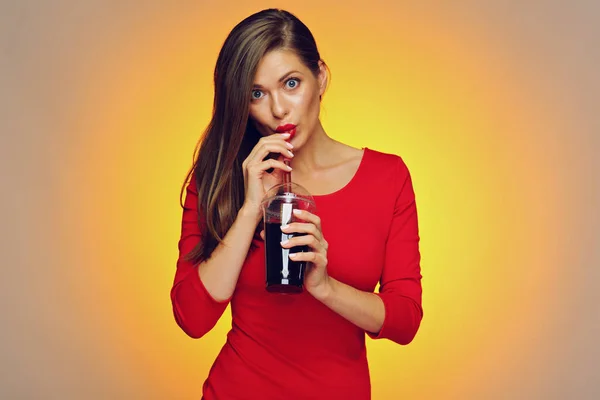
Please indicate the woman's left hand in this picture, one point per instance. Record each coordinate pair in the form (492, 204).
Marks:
(316, 279)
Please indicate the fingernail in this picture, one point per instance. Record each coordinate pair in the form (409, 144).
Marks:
(290, 153)
(285, 242)
(285, 134)
(293, 255)
(288, 144)
(297, 212)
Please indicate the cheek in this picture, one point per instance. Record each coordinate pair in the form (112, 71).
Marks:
(258, 118)
(255, 114)
(308, 102)
(314, 105)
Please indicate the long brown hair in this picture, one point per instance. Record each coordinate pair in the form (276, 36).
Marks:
(229, 137)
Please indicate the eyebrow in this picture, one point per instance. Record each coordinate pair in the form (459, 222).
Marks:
(257, 86)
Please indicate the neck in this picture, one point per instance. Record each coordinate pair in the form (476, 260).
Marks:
(314, 153)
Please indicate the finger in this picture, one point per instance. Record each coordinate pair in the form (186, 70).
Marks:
(279, 136)
(304, 240)
(307, 216)
(315, 258)
(259, 149)
(273, 152)
(268, 151)
(275, 156)
(256, 169)
(270, 144)
(299, 227)
(262, 234)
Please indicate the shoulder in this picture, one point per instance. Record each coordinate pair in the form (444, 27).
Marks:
(387, 173)
(384, 163)
(389, 176)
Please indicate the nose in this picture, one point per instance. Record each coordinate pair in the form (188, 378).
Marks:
(279, 106)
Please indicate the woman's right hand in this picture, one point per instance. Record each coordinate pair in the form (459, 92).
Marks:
(256, 180)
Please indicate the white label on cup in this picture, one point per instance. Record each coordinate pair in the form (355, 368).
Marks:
(286, 218)
(286, 213)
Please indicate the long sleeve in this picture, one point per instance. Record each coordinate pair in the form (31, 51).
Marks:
(400, 285)
(195, 310)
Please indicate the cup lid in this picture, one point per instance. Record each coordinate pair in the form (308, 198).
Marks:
(288, 193)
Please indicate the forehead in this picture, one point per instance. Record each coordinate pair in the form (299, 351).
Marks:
(277, 63)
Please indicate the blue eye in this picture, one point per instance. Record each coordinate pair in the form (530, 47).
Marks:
(292, 83)
(256, 94)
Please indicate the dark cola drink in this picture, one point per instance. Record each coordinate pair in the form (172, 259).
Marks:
(283, 275)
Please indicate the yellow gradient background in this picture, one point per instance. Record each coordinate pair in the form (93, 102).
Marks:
(471, 96)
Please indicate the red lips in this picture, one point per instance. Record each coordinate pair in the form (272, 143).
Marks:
(287, 128)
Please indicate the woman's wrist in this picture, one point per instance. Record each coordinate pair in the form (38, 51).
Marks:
(324, 292)
(251, 212)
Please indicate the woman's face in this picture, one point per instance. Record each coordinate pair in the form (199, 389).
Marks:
(286, 92)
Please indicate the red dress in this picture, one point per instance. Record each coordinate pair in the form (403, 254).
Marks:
(293, 346)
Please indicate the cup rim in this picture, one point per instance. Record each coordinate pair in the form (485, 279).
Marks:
(288, 197)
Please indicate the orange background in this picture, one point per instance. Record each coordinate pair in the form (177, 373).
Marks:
(488, 105)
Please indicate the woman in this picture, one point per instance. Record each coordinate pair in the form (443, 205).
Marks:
(269, 81)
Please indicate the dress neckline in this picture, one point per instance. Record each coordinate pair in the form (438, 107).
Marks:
(359, 170)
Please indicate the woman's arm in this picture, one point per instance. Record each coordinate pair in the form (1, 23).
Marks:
(200, 293)
(395, 312)
(221, 271)
(364, 309)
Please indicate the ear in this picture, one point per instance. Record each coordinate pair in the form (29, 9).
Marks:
(322, 77)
